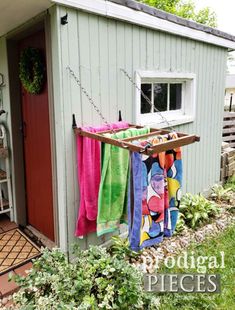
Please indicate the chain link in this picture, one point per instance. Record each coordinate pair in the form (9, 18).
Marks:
(94, 105)
(147, 99)
(90, 99)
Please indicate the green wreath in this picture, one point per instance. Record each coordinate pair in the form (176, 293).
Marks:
(31, 69)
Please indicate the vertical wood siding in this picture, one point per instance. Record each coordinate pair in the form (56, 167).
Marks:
(97, 48)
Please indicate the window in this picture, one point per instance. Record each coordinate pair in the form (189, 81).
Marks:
(170, 93)
(163, 96)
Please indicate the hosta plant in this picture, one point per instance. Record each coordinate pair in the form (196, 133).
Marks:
(120, 248)
(95, 280)
(180, 226)
(221, 194)
(197, 210)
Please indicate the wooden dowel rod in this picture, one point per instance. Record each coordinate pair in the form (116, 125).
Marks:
(154, 133)
(164, 131)
(116, 130)
(136, 126)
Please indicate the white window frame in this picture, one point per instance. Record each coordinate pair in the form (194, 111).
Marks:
(175, 117)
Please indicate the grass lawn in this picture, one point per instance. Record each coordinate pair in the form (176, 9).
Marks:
(223, 301)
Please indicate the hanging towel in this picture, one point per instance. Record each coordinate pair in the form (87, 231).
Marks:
(147, 226)
(154, 195)
(174, 172)
(113, 192)
(88, 159)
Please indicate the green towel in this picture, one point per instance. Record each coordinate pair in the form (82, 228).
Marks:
(113, 192)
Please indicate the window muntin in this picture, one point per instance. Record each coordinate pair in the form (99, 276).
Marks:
(163, 96)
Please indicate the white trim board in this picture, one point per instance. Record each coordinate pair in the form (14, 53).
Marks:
(116, 11)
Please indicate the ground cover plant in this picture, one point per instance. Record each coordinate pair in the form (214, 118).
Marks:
(95, 280)
(224, 242)
(120, 248)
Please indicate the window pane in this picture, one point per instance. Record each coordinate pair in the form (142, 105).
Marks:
(145, 106)
(175, 96)
(160, 96)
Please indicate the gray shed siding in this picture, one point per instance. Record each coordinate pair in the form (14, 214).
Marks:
(96, 48)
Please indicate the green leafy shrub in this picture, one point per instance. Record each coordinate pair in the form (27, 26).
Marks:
(197, 210)
(221, 194)
(180, 226)
(120, 248)
(231, 183)
(95, 280)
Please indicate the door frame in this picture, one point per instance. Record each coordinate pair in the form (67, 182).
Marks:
(17, 158)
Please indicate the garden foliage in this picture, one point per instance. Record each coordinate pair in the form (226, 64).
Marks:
(120, 248)
(197, 210)
(231, 183)
(95, 280)
(221, 194)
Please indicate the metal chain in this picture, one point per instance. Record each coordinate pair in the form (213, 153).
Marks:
(147, 99)
(90, 99)
(94, 105)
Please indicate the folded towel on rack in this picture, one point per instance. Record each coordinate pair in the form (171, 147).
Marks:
(89, 172)
(154, 196)
(113, 192)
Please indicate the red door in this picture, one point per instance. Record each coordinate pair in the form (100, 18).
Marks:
(37, 150)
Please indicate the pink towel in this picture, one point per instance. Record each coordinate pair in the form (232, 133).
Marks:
(89, 171)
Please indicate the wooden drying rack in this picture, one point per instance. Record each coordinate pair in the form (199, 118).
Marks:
(183, 139)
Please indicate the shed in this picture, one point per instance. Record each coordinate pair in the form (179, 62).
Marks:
(182, 61)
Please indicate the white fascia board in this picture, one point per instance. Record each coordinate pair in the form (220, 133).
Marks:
(121, 12)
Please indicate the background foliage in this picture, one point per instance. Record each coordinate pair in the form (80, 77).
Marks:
(185, 9)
